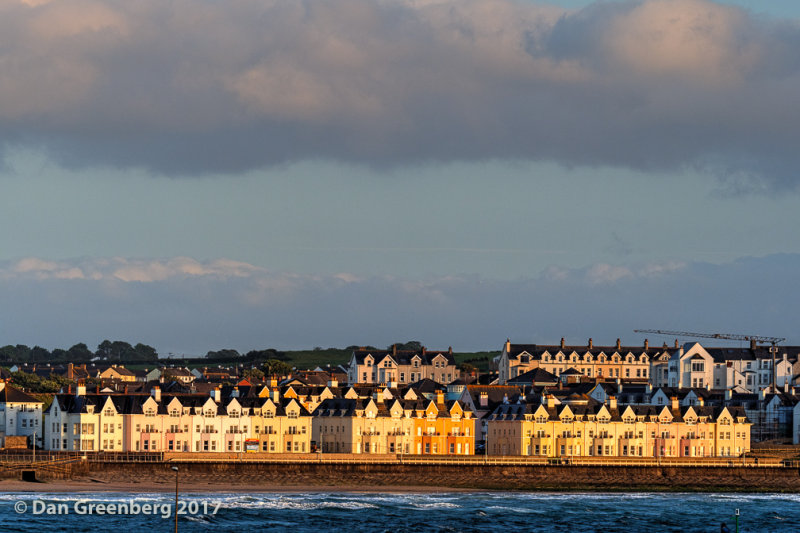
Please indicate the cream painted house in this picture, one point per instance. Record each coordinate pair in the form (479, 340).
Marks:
(591, 429)
(20, 414)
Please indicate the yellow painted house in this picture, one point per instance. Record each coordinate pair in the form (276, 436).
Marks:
(395, 426)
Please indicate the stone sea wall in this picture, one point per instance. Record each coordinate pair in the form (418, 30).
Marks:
(496, 477)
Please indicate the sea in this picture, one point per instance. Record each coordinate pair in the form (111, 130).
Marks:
(354, 512)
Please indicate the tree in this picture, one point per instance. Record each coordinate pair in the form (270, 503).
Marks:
(80, 352)
(253, 373)
(104, 349)
(410, 346)
(226, 353)
(275, 367)
(39, 354)
(8, 353)
(145, 352)
(467, 368)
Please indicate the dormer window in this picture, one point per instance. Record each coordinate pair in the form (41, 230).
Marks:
(174, 413)
(108, 412)
(150, 412)
(292, 414)
(541, 419)
(269, 414)
(234, 414)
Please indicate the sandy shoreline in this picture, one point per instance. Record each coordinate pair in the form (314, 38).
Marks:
(96, 486)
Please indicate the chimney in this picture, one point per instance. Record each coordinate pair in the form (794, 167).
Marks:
(612, 402)
(675, 405)
(619, 345)
(591, 344)
(424, 351)
(155, 392)
(215, 394)
(676, 343)
(508, 346)
(483, 399)
(235, 392)
(551, 401)
(700, 401)
(728, 395)
(275, 395)
(273, 382)
(70, 371)
(439, 397)
(450, 350)
(562, 343)
(333, 383)
(648, 389)
(80, 390)
(646, 344)
(379, 395)
(752, 344)
(394, 349)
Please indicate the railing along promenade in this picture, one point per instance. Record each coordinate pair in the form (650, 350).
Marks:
(54, 460)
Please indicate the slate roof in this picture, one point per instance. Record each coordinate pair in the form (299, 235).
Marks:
(404, 357)
(11, 394)
(537, 375)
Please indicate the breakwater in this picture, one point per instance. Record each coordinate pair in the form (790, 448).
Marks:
(491, 477)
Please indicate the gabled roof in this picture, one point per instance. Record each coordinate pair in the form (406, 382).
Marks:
(403, 357)
(11, 394)
(535, 376)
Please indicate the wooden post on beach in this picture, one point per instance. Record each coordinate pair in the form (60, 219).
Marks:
(175, 468)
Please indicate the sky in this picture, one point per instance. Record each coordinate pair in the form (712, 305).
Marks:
(204, 175)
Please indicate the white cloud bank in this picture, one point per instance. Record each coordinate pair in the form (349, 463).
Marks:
(203, 86)
(185, 306)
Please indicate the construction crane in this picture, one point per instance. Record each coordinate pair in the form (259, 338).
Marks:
(758, 339)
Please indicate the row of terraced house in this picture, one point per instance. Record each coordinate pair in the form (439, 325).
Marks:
(419, 420)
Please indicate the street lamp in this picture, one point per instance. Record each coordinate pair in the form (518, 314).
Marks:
(175, 469)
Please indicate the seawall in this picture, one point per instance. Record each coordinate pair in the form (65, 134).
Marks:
(252, 476)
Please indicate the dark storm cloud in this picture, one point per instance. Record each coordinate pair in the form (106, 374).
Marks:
(190, 87)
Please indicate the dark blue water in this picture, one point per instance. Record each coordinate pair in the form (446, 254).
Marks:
(439, 512)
